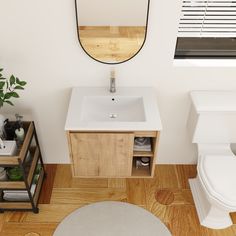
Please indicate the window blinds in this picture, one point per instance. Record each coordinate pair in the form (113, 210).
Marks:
(208, 18)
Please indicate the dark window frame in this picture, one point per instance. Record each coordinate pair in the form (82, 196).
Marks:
(200, 48)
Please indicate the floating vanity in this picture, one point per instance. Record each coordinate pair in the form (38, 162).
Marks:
(103, 130)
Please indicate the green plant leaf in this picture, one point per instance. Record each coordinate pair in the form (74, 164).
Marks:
(17, 80)
(7, 95)
(1, 69)
(9, 102)
(22, 83)
(1, 94)
(1, 102)
(11, 94)
(15, 95)
(2, 78)
(2, 83)
(12, 80)
(19, 87)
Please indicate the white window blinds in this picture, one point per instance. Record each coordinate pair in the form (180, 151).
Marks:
(208, 18)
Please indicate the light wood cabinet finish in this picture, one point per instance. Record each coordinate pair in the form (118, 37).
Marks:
(110, 154)
(101, 154)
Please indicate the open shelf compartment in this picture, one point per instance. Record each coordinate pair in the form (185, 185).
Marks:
(145, 171)
(141, 171)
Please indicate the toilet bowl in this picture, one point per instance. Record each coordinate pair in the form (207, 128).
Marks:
(214, 188)
(212, 129)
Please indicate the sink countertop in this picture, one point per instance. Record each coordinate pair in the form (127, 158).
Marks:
(152, 116)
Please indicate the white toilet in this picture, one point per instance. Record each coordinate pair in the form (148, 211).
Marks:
(212, 124)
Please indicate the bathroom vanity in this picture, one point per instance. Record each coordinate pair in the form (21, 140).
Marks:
(102, 128)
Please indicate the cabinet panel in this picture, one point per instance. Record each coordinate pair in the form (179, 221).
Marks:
(102, 154)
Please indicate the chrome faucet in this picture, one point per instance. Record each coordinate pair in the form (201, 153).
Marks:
(112, 81)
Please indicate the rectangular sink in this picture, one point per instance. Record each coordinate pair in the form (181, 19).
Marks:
(95, 108)
(112, 109)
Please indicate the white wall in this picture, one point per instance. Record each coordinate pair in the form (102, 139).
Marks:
(112, 12)
(38, 43)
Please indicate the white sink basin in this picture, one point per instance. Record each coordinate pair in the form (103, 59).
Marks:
(112, 109)
(127, 109)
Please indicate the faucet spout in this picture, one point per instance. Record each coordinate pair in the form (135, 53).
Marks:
(112, 82)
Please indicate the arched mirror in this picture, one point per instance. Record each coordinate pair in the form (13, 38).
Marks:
(112, 31)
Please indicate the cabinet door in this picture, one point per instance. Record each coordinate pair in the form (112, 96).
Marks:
(102, 154)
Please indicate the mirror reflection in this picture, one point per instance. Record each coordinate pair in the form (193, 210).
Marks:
(112, 31)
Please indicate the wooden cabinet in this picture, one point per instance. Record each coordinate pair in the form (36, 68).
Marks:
(101, 154)
(29, 160)
(110, 154)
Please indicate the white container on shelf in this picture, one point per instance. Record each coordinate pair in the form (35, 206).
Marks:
(9, 148)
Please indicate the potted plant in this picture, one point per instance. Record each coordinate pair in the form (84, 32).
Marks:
(8, 88)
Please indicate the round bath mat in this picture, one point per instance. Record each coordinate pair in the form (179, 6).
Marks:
(111, 219)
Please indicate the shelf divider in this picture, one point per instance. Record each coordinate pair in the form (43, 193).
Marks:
(143, 154)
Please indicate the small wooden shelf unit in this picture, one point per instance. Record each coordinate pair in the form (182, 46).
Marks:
(30, 147)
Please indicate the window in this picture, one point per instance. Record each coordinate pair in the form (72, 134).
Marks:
(207, 29)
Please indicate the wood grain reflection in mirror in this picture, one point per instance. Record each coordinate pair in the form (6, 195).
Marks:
(115, 33)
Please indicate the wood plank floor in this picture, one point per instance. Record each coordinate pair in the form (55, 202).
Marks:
(169, 186)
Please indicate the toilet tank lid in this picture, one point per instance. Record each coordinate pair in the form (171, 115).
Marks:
(217, 101)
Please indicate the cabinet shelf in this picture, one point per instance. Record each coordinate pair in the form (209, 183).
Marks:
(20, 185)
(5, 205)
(143, 154)
(28, 157)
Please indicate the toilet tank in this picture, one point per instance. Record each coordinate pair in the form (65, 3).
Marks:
(212, 117)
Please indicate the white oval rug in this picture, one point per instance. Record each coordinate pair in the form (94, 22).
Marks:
(111, 219)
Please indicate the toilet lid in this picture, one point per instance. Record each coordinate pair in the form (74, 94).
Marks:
(219, 176)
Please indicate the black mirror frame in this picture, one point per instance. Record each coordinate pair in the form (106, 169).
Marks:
(111, 63)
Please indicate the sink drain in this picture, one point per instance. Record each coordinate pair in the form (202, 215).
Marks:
(113, 115)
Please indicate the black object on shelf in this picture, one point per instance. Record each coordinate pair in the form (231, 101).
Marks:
(9, 129)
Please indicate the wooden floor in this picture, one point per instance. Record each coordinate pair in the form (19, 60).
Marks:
(167, 196)
(111, 44)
